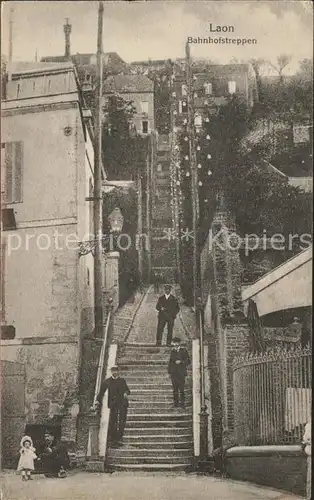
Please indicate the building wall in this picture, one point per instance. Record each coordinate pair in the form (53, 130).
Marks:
(137, 98)
(49, 173)
(48, 287)
(41, 284)
(51, 374)
(34, 84)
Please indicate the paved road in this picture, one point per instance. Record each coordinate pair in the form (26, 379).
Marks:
(140, 486)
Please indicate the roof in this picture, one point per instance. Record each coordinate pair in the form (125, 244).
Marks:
(128, 84)
(39, 67)
(86, 58)
(278, 273)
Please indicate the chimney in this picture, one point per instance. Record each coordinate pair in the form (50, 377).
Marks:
(67, 31)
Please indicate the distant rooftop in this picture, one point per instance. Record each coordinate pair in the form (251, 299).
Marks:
(128, 83)
(87, 59)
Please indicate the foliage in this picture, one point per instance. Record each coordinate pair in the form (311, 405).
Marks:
(266, 202)
(161, 79)
(123, 150)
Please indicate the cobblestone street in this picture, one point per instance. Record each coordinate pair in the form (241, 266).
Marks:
(126, 486)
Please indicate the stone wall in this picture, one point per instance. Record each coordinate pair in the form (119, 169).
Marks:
(236, 342)
(51, 376)
(282, 467)
(224, 319)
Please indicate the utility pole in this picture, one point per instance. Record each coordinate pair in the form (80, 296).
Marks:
(176, 187)
(198, 305)
(98, 259)
(194, 177)
(10, 57)
(140, 223)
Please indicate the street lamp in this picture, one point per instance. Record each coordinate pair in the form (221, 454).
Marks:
(116, 220)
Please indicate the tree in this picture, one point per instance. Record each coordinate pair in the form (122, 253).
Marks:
(123, 150)
(257, 65)
(283, 60)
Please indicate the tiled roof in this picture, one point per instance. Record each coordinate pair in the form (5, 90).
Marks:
(128, 83)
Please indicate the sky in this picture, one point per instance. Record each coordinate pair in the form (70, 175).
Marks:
(159, 30)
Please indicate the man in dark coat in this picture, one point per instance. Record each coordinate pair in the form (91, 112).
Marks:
(54, 457)
(118, 393)
(168, 308)
(177, 369)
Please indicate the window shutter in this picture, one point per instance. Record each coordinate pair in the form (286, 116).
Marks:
(8, 172)
(18, 169)
(13, 167)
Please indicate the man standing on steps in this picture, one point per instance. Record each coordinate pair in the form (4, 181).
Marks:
(118, 393)
(177, 369)
(168, 308)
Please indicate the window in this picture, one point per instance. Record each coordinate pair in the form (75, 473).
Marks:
(12, 167)
(184, 90)
(144, 107)
(88, 276)
(145, 127)
(208, 88)
(198, 121)
(184, 107)
(232, 86)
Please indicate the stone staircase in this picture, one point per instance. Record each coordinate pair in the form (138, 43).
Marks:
(157, 435)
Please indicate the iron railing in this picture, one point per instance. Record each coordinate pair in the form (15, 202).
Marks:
(103, 351)
(272, 396)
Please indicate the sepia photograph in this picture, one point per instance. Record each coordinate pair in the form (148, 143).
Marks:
(156, 249)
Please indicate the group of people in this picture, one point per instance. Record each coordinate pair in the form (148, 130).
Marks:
(118, 390)
(52, 457)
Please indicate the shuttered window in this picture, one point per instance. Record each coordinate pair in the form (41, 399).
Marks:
(12, 170)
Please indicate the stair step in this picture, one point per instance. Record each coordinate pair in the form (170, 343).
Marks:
(141, 365)
(133, 452)
(185, 460)
(144, 431)
(142, 407)
(145, 379)
(162, 444)
(152, 467)
(152, 385)
(160, 424)
(152, 394)
(161, 417)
